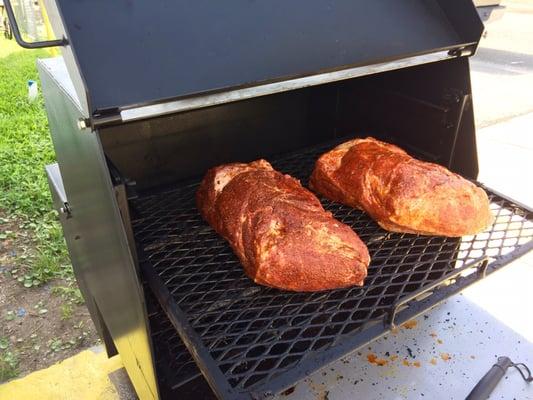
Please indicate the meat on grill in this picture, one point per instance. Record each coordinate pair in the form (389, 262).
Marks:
(401, 193)
(279, 230)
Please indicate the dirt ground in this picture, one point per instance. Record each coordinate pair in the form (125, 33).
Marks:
(38, 325)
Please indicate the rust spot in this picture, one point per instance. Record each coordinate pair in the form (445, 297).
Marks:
(433, 361)
(393, 357)
(394, 330)
(417, 364)
(373, 359)
(445, 356)
(406, 363)
(412, 323)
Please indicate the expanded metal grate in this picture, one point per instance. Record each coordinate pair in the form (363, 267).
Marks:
(254, 339)
(174, 363)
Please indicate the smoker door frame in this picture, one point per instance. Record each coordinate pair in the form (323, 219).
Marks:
(95, 235)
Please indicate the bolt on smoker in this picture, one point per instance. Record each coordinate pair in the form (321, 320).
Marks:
(148, 95)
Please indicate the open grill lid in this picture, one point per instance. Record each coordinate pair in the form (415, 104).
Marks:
(130, 53)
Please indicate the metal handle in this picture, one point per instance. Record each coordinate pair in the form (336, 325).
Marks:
(481, 265)
(486, 385)
(29, 45)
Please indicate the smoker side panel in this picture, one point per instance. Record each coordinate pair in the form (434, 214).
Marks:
(98, 244)
(60, 201)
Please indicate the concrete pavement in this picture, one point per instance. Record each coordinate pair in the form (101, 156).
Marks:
(502, 69)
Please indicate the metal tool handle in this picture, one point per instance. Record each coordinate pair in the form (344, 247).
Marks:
(486, 385)
(29, 45)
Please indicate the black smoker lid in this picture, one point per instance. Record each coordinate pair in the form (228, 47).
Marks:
(133, 52)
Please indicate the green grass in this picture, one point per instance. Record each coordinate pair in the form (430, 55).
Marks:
(66, 311)
(8, 360)
(25, 148)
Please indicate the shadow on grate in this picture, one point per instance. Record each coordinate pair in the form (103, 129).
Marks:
(174, 363)
(252, 333)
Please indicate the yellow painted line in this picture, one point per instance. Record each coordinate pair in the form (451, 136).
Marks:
(81, 377)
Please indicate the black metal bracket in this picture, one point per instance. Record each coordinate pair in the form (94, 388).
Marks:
(462, 100)
(119, 179)
(18, 37)
(481, 265)
(463, 51)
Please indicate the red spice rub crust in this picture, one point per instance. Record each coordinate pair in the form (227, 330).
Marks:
(279, 230)
(401, 193)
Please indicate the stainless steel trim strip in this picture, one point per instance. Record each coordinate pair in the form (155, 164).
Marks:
(142, 112)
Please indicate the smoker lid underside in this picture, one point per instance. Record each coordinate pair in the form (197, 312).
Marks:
(138, 53)
(253, 339)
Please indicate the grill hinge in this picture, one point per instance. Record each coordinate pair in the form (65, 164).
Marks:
(464, 51)
(108, 117)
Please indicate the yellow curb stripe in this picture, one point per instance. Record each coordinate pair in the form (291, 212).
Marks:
(81, 377)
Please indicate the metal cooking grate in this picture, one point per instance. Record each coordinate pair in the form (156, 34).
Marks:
(253, 335)
(173, 361)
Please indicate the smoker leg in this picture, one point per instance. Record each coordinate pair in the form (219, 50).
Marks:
(110, 348)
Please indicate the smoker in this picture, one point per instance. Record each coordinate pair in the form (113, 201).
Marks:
(148, 95)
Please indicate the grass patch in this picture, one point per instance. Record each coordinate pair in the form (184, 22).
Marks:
(9, 361)
(25, 148)
(66, 311)
(70, 294)
(8, 365)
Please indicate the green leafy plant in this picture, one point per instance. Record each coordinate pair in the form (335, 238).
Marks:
(25, 148)
(9, 363)
(55, 344)
(66, 311)
(70, 294)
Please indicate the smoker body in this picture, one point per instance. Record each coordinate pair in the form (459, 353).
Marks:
(131, 147)
(94, 232)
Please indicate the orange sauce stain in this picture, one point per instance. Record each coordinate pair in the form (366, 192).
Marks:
(394, 357)
(433, 361)
(417, 364)
(373, 359)
(410, 324)
(406, 363)
(445, 356)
